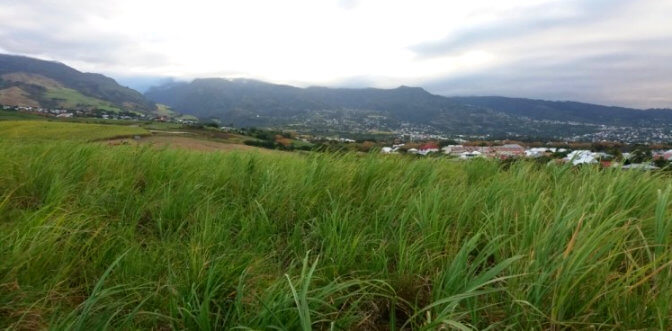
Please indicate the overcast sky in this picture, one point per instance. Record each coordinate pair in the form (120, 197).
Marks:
(605, 51)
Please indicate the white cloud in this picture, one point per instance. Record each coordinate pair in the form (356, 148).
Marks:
(385, 43)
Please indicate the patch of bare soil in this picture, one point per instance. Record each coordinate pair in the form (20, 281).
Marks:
(17, 97)
(182, 142)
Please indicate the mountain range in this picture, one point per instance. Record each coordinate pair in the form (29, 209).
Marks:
(244, 102)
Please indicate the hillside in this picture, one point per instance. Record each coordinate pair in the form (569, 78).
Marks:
(31, 82)
(245, 102)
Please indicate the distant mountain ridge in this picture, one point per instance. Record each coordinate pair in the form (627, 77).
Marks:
(54, 84)
(568, 111)
(245, 102)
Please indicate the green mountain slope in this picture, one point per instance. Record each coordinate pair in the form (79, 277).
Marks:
(32, 82)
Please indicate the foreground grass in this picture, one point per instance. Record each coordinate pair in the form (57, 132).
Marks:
(130, 237)
(26, 131)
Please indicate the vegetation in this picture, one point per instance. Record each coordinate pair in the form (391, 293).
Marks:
(129, 237)
(15, 116)
(71, 99)
(43, 131)
(164, 110)
(274, 139)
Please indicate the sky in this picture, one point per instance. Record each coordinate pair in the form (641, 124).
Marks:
(614, 52)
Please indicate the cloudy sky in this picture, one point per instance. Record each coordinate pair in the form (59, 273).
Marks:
(616, 52)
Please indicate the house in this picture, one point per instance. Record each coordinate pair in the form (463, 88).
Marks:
(608, 164)
(470, 155)
(64, 115)
(458, 150)
(391, 150)
(541, 151)
(387, 150)
(453, 149)
(509, 149)
(581, 157)
(667, 155)
(428, 148)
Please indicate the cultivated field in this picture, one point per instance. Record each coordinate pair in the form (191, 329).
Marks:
(128, 237)
(17, 116)
(69, 98)
(50, 131)
(189, 143)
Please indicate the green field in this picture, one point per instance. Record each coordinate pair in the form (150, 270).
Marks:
(17, 116)
(164, 110)
(43, 131)
(69, 98)
(129, 237)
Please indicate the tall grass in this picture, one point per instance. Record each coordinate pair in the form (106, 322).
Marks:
(93, 237)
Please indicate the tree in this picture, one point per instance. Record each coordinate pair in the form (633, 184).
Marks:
(660, 162)
(640, 155)
(618, 156)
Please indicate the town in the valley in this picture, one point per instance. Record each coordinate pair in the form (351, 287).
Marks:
(606, 153)
(640, 157)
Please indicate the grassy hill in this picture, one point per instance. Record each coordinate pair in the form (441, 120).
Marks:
(71, 99)
(31, 82)
(127, 237)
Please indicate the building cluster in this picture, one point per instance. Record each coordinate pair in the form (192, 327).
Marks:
(585, 157)
(96, 113)
(500, 152)
(506, 151)
(68, 113)
(46, 111)
(654, 134)
(462, 151)
(662, 155)
(334, 138)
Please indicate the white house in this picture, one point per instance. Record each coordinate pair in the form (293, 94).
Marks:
(581, 157)
(470, 155)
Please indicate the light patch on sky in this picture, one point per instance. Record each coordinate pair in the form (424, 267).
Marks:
(604, 51)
